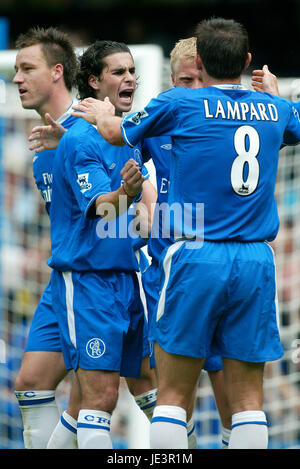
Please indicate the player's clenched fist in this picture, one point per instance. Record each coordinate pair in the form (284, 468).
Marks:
(132, 177)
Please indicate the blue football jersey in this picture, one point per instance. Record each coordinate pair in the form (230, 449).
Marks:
(226, 141)
(159, 150)
(85, 167)
(296, 104)
(43, 162)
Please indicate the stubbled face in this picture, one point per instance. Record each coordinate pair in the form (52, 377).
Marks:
(118, 81)
(186, 74)
(33, 77)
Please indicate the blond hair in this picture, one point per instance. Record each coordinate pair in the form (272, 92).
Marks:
(183, 49)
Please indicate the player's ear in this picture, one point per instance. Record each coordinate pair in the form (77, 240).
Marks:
(248, 60)
(93, 81)
(57, 71)
(172, 79)
(199, 64)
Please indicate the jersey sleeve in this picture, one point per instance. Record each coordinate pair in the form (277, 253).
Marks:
(158, 118)
(292, 131)
(145, 172)
(89, 178)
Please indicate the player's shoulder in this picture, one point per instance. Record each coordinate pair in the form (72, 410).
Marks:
(81, 133)
(296, 105)
(265, 96)
(283, 105)
(69, 121)
(181, 94)
(178, 92)
(79, 142)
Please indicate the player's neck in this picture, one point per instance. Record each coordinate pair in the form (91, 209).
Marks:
(56, 106)
(210, 81)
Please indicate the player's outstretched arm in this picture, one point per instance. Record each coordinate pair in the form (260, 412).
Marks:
(265, 81)
(101, 114)
(46, 137)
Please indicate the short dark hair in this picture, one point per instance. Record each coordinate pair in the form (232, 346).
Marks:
(92, 62)
(223, 46)
(56, 47)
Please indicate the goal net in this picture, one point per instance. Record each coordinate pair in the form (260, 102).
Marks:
(25, 247)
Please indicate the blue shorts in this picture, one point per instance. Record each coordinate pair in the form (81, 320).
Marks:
(101, 320)
(143, 265)
(150, 289)
(151, 282)
(151, 285)
(213, 362)
(219, 298)
(44, 331)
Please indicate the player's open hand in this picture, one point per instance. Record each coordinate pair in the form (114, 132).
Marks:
(132, 177)
(91, 108)
(46, 137)
(265, 81)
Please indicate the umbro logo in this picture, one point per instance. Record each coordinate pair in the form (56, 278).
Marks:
(167, 146)
(112, 166)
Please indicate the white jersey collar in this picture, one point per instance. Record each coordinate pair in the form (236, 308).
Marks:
(68, 112)
(231, 86)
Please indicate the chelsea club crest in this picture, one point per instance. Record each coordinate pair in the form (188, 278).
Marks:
(95, 348)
